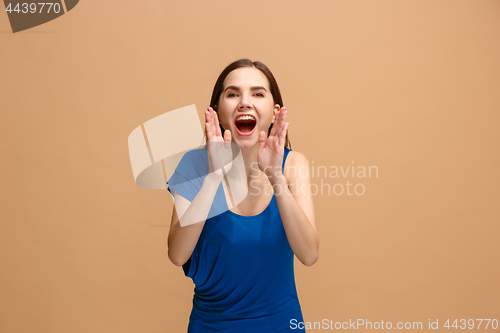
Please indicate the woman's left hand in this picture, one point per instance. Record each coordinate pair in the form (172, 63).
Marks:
(272, 148)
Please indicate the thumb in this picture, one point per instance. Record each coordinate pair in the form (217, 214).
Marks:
(227, 135)
(227, 138)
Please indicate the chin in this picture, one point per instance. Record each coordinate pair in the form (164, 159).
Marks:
(247, 142)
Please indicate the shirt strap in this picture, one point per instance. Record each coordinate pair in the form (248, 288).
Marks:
(284, 159)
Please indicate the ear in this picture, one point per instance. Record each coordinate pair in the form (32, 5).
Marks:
(276, 109)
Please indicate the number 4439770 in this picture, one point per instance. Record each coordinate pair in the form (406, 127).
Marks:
(34, 8)
(471, 324)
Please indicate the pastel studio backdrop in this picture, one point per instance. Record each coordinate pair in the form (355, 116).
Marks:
(410, 87)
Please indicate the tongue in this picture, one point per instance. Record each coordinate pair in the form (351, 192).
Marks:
(245, 126)
(245, 129)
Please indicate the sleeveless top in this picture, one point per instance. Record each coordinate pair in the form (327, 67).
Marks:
(242, 266)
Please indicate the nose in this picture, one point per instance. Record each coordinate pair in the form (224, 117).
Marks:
(245, 102)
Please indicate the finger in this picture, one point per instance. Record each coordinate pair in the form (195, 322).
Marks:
(279, 125)
(207, 120)
(208, 115)
(282, 137)
(211, 126)
(209, 132)
(262, 139)
(211, 120)
(284, 122)
(275, 123)
(285, 113)
(216, 125)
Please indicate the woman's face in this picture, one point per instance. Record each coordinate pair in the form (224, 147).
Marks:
(246, 105)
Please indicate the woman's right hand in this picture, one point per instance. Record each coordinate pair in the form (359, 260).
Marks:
(220, 154)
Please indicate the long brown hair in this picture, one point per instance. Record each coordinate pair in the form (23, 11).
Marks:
(275, 90)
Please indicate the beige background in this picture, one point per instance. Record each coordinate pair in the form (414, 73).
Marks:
(411, 87)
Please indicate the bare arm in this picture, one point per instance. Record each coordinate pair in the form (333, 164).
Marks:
(296, 208)
(188, 218)
(184, 234)
(291, 189)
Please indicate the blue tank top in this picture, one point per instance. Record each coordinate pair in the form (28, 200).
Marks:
(242, 266)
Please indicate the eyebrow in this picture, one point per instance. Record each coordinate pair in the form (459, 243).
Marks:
(251, 88)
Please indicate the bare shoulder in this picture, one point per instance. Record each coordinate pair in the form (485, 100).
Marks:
(295, 158)
(296, 165)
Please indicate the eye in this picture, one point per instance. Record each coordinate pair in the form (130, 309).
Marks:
(259, 94)
(231, 95)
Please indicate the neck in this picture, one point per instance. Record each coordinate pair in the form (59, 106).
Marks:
(250, 160)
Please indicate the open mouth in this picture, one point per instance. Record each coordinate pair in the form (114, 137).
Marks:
(245, 124)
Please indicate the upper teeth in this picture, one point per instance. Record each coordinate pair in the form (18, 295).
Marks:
(245, 118)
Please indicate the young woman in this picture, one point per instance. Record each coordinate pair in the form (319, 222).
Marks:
(241, 259)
